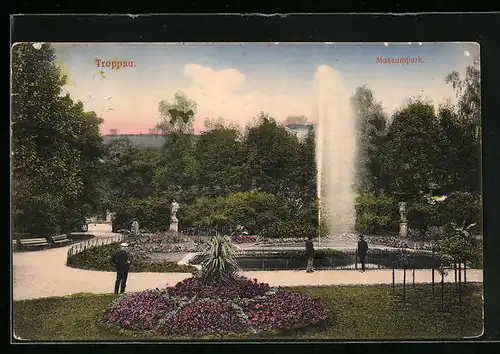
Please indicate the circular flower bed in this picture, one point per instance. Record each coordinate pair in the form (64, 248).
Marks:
(193, 308)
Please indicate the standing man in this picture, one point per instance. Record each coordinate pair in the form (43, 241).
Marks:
(362, 250)
(310, 255)
(122, 261)
(135, 228)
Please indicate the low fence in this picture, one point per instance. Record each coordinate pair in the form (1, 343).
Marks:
(95, 242)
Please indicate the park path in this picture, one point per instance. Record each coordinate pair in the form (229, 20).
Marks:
(44, 273)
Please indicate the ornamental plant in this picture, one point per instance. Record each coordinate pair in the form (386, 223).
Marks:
(218, 260)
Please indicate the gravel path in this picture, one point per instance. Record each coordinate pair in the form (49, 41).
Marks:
(44, 273)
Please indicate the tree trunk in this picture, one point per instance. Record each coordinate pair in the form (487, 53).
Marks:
(356, 259)
(460, 282)
(442, 292)
(433, 281)
(455, 270)
(404, 284)
(465, 273)
(413, 276)
(433, 252)
(393, 279)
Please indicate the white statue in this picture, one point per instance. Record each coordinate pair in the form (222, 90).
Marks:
(135, 228)
(174, 207)
(402, 211)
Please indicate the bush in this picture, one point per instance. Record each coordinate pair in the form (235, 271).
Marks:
(285, 310)
(150, 213)
(289, 229)
(204, 316)
(374, 212)
(460, 207)
(140, 310)
(99, 258)
(240, 287)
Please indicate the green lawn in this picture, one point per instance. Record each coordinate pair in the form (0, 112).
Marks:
(356, 312)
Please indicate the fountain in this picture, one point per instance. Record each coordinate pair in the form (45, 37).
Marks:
(335, 152)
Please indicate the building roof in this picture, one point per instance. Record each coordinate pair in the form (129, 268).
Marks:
(142, 140)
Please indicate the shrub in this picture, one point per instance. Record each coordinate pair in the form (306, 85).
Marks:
(150, 212)
(460, 207)
(285, 310)
(99, 258)
(289, 229)
(140, 310)
(374, 212)
(240, 287)
(218, 260)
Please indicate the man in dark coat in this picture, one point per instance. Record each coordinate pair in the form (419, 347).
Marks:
(310, 255)
(362, 250)
(122, 261)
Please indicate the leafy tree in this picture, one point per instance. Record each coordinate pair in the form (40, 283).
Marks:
(272, 156)
(55, 145)
(220, 159)
(177, 116)
(464, 129)
(371, 123)
(177, 172)
(411, 156)
(129, 171)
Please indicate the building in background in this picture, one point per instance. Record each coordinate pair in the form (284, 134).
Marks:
(151, 139)
(300, 130)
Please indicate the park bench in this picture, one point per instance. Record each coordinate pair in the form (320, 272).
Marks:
(59, 240)
(33, 243)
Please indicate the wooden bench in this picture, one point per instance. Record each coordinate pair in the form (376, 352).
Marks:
(59, 240)
(32, 243)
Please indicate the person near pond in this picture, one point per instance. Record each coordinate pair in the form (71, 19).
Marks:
(362, 250)
(310, 255)
(121, 261)
(135, 228)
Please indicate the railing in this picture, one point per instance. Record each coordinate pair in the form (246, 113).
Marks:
(95, 242)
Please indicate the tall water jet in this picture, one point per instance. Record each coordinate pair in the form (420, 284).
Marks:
(335, 152)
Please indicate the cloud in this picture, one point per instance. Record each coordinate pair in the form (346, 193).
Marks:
(225, 93)
(225, 80)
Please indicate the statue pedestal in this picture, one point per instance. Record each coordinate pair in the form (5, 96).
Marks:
(174, 224)
(403, 229)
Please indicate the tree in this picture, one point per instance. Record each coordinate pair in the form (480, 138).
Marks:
(220, 159)
(129, 171)
(271, 156)
(177, 172)
(371, 123)
(411, 158)
(463, 126)
(177, 116)
(55, 144)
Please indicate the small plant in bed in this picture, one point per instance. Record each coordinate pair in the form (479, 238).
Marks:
(217, 301)
(99, 258)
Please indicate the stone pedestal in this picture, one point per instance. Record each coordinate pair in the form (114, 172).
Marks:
(174, 224)
(403, 229)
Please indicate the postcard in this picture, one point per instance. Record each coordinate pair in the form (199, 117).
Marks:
(249, 191)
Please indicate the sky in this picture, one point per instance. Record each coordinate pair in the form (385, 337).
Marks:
(238, 81)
